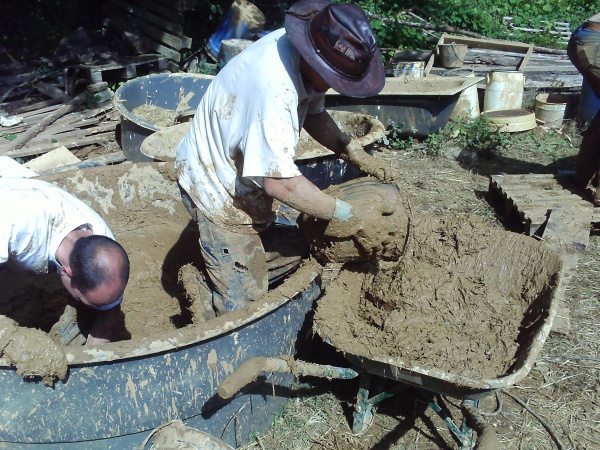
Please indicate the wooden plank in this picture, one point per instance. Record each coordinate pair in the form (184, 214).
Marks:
(174, 26)
(102, 160)
(488, 44)
(69, 143)
(567, 232)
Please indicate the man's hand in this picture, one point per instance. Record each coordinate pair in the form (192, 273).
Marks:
(372, 165)
(359, 220)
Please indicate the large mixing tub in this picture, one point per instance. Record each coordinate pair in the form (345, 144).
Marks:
(177, 93)
(116, 394)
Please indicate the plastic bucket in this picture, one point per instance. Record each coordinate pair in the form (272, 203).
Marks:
(550, 109)
(405, 69)
(504, 90)
(452, 55)
(589, 104)
(467, 105)
(241, 21)
(231, 48)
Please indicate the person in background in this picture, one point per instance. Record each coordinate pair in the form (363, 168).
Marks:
(44, 228)
(238, 156)
(583, 50)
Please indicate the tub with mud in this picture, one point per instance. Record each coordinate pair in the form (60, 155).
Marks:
(166, 361)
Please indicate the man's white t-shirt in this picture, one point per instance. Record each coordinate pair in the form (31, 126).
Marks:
(35, 217)
(246, 127)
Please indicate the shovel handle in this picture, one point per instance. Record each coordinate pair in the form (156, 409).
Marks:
(250, 370)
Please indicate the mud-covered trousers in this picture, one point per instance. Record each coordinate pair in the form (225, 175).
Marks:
(583, 50)
(241, 267)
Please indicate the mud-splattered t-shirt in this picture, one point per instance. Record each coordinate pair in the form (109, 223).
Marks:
(35, 217)
(246, 127)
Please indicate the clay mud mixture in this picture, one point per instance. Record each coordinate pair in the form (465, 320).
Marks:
(143, 208)
(460, 300)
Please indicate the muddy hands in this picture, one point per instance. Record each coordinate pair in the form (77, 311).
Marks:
(370, 164)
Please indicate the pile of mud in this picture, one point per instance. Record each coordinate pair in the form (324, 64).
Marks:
(462, 299)
(142, 206)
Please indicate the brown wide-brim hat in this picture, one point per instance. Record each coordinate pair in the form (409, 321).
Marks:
(337, 41)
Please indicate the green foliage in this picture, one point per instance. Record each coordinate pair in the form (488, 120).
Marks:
(434, 145)
(92, 100)
(479, 16)
(9, 137)
(479, 136)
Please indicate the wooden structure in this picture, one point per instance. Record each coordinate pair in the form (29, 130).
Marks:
(488, 44)
(160, 22)
(550, 208)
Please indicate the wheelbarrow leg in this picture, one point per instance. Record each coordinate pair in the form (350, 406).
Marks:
(363, 410)
(464, 434)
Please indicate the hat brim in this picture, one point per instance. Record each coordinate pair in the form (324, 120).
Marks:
(297, 31)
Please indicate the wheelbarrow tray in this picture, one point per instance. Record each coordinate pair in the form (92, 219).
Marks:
(411, 106)
(436, 380)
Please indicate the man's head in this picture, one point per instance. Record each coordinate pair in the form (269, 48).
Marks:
(338, 43)
(97, 272)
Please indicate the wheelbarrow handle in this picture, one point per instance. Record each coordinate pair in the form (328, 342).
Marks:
(250, 370)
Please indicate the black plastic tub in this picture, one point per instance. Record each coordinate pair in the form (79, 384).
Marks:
(177, 92)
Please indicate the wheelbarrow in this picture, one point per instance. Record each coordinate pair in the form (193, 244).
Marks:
(429, 382)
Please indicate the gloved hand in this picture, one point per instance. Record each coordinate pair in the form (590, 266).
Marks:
(372, 165)
(359, 220)
(66, 330)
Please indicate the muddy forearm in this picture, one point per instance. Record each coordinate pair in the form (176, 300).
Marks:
(302, 195)
(323, 129)
(103, 327)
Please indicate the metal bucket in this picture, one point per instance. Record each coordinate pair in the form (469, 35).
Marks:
(504, 90)
(550, 109)
(452, 55)
(117, 393)
(176, 92)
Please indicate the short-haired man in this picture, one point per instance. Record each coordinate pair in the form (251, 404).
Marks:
(239, 152)
(44, 228)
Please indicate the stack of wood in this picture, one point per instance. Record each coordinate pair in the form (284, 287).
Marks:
(37, 119)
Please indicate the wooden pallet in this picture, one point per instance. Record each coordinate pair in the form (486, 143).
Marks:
(126, 68)
(553, 210)
(159, 21)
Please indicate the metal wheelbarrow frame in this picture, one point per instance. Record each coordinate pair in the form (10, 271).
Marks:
(427, 381)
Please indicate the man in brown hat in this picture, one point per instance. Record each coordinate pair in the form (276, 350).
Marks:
(239, 152)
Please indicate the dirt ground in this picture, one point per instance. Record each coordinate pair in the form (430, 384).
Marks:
(555, 406)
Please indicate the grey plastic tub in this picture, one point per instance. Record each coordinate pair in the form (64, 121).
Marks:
(177, 92)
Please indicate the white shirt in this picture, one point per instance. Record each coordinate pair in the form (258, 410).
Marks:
(246, 127)
(35, 217)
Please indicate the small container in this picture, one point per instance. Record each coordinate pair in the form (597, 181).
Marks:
(409, 69)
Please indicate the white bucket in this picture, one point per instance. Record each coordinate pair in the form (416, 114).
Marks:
(467, 105)
(405, 69)
(550, 109)
(504, 90)
(231, 48)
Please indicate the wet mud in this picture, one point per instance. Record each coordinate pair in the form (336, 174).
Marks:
(462, 300)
